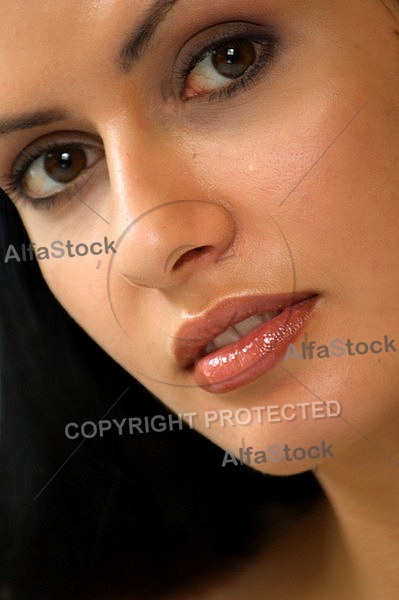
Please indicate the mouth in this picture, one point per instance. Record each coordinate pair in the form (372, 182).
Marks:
(241, 338)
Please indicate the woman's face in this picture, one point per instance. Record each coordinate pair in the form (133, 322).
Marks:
(219, 161)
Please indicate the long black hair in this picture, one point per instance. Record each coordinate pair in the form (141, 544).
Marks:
(144, 514)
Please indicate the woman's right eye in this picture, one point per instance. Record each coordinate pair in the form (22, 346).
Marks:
(225, 59)
(51, 171)
(223, 65)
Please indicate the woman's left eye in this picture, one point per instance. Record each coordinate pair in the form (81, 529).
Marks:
(224, 66)
(47, 172)
(51, 171)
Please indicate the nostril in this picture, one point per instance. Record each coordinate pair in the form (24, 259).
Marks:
(190, 255)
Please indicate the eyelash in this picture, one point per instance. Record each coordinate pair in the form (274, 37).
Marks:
(12, 183)
(269, 45)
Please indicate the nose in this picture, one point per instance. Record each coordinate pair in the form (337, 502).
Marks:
(170, 242)
(165, 224)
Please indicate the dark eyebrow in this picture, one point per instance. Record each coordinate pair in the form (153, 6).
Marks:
(29, 120)
(141, 36)
(130, 52)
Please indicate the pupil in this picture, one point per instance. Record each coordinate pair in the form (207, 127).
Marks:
(233, 60)
(232, 56)
(65, 160)
(65, 165)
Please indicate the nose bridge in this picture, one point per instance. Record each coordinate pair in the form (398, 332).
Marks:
(133, 161)
(146, 169)
(163, 221)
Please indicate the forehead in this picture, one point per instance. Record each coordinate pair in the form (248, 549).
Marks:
(36, 25)
(46, 14)
(44, 37)
(48, 46)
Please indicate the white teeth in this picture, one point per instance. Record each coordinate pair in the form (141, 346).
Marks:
(227, 337)
(246, 326)
(237, 331)
(269, 315)
(209, 348)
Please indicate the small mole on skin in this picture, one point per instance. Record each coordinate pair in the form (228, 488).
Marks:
(396, 32)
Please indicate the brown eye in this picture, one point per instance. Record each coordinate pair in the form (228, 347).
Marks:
(65, 164)
(227, 62)
(56, 168)
(233, 59)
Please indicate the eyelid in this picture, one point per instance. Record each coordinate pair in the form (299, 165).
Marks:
(11, 183)
(200, 45)
(249, 77)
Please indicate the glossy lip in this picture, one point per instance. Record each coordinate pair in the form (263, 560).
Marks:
(259, 351)
(193, 337)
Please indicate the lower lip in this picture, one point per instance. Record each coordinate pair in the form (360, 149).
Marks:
(242, 362)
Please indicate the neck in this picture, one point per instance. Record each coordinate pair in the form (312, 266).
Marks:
(362, 486)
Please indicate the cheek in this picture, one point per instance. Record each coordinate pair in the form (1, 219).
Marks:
(282, 160)
(79, 284)
(335, 172)
(327, 175)
(117, 316)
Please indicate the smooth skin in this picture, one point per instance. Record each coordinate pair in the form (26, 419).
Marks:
(184, 175)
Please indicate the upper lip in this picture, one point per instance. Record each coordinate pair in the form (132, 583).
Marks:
(195, 334)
